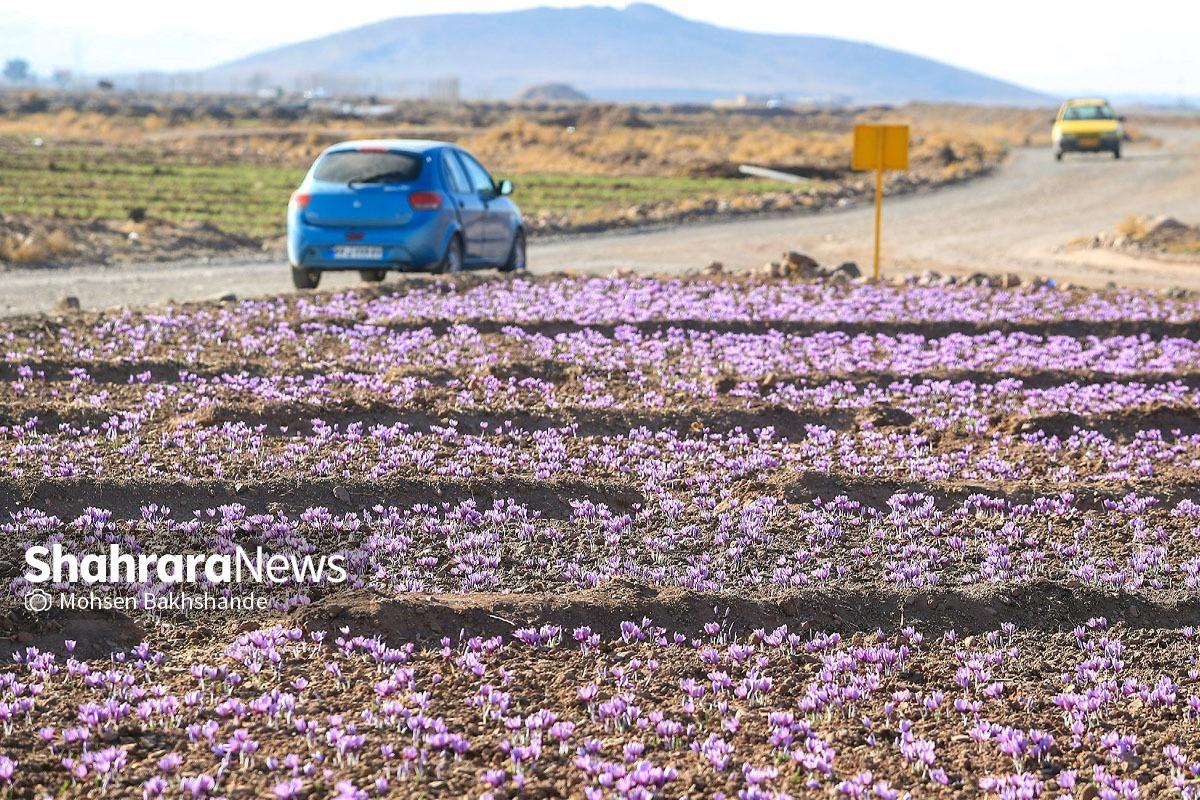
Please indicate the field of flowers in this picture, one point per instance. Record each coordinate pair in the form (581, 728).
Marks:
(615, 538)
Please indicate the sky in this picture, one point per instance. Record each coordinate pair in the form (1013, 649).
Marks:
(1114, 48)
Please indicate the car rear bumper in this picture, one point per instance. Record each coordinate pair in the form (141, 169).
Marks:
(416, 246)
(1101, 144)
(314, 257)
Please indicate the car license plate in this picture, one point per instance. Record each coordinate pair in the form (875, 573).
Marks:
(357, 252)
(1089, 141)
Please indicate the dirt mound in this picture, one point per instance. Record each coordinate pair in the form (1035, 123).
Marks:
(798, 265)
(1142, 235)
(1169, 420)
(604, 116)
(52, 242)
(96, 634)
(885, 416)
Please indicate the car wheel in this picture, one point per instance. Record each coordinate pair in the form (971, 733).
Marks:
(1117, 151)
(372, 275)
(1058, 155)
(516, 256)
(305, 278)
(453, 260)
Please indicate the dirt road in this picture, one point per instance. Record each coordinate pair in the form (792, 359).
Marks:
(1010, 222)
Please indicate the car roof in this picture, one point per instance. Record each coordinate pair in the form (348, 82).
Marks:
(1086, 101)
(407, 145)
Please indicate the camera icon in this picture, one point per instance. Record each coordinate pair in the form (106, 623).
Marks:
(37, 601)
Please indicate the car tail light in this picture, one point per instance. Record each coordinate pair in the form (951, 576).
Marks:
(425, 201)
(300, 199)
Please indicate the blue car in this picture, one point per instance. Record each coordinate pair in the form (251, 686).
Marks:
(400, 204)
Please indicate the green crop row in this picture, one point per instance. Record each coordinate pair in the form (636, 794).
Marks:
(106, 182)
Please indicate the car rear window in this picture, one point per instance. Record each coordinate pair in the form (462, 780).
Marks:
(1088, 112)
(343, 166)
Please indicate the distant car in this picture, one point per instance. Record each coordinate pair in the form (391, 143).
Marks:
(1087, 125)
(401, 204)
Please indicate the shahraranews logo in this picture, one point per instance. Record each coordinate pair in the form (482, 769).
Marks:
(115, 566)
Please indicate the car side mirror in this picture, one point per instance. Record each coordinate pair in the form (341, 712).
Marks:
(504, 187)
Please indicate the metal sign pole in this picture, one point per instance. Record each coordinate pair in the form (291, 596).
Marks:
(878, 205)
(879, 147)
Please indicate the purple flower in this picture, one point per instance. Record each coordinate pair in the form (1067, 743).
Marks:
(288, 789)
(198, 786)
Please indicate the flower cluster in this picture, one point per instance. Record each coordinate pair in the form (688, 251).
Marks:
(638, 713)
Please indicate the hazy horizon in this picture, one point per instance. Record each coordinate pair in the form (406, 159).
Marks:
(1058, 52)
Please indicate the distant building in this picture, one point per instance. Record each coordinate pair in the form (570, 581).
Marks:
(744, 100)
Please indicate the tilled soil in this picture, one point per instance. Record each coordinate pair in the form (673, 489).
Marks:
(729, 546)
(27, 241)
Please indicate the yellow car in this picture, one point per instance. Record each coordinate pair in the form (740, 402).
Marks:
(1087, 125)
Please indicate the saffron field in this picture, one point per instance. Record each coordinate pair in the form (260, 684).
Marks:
(616, 538)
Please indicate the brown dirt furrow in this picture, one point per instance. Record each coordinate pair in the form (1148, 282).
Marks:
(123, 372)
(297, 419)
(931, 330)
(875, 491)
(1033, 379)
(1040, 606)
(67, 498)
(97, 634)
(158, 370)
(290, 420)
(586, 421)
(1169, 420)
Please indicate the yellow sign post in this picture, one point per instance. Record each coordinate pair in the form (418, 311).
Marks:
(880, 147)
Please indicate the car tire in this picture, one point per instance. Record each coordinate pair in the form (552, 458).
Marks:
(453, 260)
(516, 257)
(372, 275)
(1117, 151)
(305, 278)
(1058, 155)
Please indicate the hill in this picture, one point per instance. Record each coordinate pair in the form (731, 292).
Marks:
(552, 92)
(641, 52)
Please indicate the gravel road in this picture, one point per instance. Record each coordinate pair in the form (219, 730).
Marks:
(1012, 221)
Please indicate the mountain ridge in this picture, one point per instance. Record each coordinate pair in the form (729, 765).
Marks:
(640, 52)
